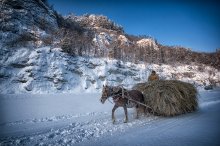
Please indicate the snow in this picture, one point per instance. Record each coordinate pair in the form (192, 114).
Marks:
(146, 42)
(49, 70)
(123, 40)
(81, 119)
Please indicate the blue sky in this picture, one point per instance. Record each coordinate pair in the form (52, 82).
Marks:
(191, 24)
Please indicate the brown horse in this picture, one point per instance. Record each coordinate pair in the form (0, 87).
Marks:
(123, 98)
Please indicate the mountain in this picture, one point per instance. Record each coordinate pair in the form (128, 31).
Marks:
(45, 52)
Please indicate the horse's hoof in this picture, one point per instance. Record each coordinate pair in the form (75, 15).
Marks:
(113, 121)
(126, 121)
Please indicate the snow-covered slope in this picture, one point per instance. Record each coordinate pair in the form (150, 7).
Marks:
(49, 70)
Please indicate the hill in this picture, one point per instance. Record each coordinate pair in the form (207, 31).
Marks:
(43, 51)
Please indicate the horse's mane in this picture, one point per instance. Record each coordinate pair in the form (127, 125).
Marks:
(118, 89)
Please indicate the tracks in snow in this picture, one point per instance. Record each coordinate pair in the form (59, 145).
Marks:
(64, 130)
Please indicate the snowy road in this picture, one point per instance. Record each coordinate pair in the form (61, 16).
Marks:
(80, 119)
(197, 129)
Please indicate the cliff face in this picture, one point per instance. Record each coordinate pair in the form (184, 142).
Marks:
(42, 51)
(25, 21)
(50, 70)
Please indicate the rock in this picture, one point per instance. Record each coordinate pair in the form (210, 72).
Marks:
(129, 73)
(92, 65)
(115, 71)
(18, 65)
(28, 87)
(89, 79)
(102, 78)
(20, 15)
(77, 71)
(4, 74)
(119, 80)
(209, 87)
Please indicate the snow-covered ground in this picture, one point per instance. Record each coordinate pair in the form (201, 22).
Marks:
(80, 119)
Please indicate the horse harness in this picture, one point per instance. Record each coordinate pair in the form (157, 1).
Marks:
(123, 94)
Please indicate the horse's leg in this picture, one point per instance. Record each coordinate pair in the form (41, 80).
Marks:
(126, 114)
(113, 115)
(146, 111)
(137, 112)
(140, 109)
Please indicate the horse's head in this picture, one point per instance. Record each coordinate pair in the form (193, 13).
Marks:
(105, 93)
(108, 91)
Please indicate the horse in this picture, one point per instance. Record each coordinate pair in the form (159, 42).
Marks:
(123, 98)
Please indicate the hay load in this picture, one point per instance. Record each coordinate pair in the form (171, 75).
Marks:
(169, 97)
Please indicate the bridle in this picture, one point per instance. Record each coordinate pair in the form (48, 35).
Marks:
(111, 93)
(108, 92)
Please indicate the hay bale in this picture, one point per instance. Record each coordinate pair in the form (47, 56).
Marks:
(169, 97)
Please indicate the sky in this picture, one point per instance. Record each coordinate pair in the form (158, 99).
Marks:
(188, 23)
